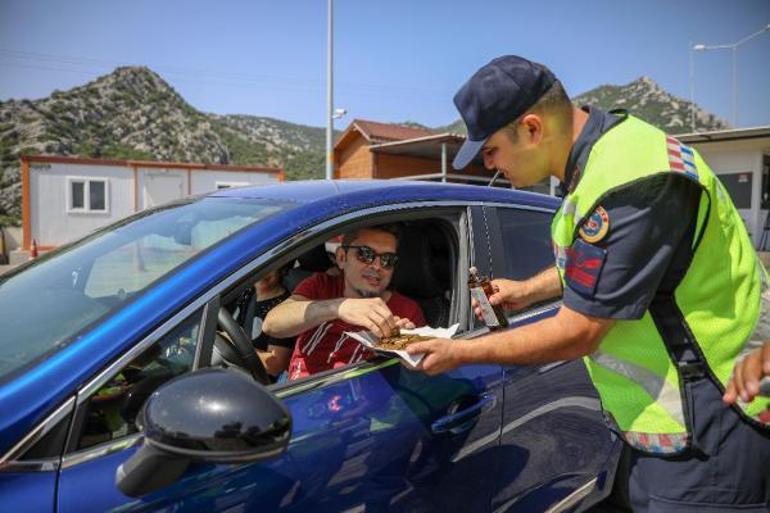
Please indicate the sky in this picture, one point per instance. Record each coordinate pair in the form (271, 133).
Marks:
(394, 60)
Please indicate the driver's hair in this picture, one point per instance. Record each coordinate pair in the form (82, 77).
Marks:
(391, 228)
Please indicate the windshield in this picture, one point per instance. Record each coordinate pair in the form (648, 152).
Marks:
(44, 306)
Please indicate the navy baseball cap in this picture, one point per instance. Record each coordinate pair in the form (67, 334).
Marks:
(495, 95)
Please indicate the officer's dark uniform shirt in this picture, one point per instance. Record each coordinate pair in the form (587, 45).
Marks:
(649, 242)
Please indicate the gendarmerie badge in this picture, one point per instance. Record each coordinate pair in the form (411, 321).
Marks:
(595, 228)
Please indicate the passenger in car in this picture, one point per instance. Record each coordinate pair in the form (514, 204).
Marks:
(323, 307)
(268, 293)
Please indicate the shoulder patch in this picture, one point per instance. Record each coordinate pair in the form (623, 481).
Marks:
(595, 228)
(584, 266)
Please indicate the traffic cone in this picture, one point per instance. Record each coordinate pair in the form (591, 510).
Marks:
(33, 250)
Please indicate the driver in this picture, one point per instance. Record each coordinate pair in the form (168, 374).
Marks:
(323, 307)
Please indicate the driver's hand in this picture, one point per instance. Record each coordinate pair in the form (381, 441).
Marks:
(372, 314)
(509, 294)
(404, 323)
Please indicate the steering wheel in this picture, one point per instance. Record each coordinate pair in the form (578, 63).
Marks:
(240, 344)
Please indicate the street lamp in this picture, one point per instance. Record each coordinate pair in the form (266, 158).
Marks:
(733, 47)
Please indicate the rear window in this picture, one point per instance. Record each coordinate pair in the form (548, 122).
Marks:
(46, 305)
(526, 241)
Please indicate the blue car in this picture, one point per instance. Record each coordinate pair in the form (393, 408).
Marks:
(128, 384)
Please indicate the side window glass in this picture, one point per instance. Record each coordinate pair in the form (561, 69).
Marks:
(112, 410)
(526, 237)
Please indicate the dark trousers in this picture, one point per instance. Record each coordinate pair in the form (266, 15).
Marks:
(726, 470)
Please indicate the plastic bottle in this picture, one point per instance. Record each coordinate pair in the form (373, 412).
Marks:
(481, 289)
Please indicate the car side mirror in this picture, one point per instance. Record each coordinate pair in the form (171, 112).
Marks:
(211, 415)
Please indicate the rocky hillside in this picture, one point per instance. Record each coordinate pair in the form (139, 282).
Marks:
(134, 113)
(644, 99)
(299, 149)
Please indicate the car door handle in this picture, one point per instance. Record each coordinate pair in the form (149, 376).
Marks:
(463, 420)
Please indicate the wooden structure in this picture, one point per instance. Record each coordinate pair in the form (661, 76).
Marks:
(369, 149)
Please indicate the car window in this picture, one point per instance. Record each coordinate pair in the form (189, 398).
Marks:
(153, 255)
(150, 255)
(49, 303)
(111, 411)
(422, 275)
(526, 238)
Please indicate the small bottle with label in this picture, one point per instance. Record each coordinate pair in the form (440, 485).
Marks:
(481, 289)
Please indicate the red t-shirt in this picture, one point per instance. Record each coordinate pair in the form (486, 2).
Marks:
(326, 346)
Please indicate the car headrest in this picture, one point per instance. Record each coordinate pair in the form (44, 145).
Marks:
(316, 260)
(419, 265)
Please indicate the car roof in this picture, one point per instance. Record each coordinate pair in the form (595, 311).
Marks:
(367, 192)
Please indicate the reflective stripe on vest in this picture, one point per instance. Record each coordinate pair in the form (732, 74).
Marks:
(665, 394)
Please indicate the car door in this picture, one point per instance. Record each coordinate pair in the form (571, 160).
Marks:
(28, 476)
(373, 435)
(104, 430)
(562, 454)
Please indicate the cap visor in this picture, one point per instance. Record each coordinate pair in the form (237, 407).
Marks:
(467, 152)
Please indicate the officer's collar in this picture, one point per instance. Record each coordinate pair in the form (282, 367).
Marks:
(597, 124)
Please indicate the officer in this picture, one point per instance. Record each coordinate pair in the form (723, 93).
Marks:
(661, 289)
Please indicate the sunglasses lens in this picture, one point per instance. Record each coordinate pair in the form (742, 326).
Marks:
(388, 260)
(366, 254)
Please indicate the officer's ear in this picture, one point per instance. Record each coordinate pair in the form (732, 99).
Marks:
(531, 128)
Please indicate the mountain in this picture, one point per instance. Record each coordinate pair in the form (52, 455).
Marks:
(457, 127)
(132, 113)
(642, 98)
(647, 100)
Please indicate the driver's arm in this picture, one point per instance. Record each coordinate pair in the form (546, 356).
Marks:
(298, 314)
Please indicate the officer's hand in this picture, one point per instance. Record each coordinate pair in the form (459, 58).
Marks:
(747, 374)
(372, 314)
(511, 295)
(440, 355)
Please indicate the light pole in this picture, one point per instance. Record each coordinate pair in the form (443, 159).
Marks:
(733, 47)
(692, 87)
(329, 92)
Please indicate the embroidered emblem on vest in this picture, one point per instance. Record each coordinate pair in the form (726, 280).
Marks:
(596, 226)
(681, 158)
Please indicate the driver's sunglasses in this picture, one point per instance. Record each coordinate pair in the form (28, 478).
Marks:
(366, 255)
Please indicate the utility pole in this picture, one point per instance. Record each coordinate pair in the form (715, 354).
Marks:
(692, 87)
(329, 92)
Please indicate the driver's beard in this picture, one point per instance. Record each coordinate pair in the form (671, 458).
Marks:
(367, 294)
